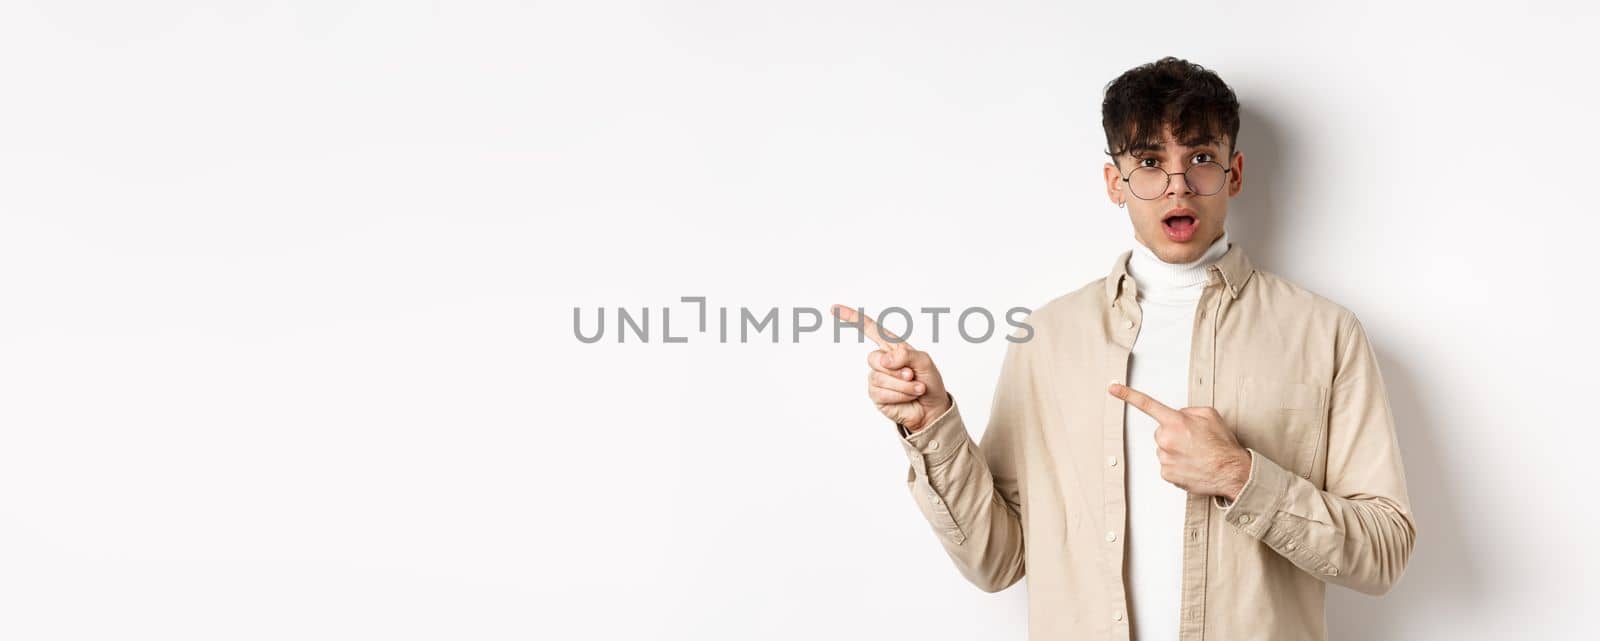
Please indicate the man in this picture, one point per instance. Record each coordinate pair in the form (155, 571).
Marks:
(1224, 519)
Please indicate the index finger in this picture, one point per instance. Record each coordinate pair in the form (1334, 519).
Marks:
(883, 337)
(1150, 406)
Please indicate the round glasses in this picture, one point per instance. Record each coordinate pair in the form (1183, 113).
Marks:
(1149, 183)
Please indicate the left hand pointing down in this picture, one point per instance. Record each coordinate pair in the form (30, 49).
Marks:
(1197, 451)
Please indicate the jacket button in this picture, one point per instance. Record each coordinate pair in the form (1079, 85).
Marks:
(1111, 460)
(1117, 616)
(1111, 536)
(1244, 519)
(1128, 324)
(933, 445)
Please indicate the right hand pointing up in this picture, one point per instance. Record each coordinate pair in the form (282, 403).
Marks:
(902, 381)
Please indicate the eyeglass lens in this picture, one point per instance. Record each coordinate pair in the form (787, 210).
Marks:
(1150, 183)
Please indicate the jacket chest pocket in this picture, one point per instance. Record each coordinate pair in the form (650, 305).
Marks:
(1283, 420)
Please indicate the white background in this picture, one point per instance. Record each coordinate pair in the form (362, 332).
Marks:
(286, 296)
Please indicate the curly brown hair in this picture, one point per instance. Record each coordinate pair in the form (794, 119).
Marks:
(1171, 91)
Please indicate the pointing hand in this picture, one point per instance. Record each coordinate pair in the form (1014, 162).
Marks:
(902, 381)
(1198, 452)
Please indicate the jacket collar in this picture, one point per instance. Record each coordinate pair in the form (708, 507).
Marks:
(1234, 266)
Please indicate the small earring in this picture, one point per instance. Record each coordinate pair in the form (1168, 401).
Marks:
(1122, 204)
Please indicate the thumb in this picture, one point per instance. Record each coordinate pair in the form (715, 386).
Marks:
(896, 358)
(919, 361)
(903, 357)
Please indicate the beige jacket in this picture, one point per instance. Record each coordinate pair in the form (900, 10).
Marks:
(1044, 494)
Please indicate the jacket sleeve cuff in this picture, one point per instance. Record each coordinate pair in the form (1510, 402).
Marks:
(1252, 511)
(937, 441)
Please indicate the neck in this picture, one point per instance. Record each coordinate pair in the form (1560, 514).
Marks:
(1160, 281)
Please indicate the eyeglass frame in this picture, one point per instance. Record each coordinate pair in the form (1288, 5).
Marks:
(1225, 171)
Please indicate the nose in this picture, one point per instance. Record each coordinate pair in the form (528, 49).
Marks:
(1178, 184)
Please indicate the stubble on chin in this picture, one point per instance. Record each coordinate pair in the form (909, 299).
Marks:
(1177, 253)
(1170, 252)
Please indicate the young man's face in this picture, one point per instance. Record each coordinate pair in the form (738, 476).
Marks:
(1178, 224)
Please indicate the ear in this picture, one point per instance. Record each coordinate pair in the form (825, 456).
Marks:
(1236, 177)
(1114, 185)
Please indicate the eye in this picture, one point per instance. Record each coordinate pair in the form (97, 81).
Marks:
(1207, 157)
(1142, 161)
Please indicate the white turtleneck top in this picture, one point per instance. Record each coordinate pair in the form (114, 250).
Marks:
(1168, 294)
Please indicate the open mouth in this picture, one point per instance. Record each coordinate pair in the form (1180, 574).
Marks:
(1179, 221)
(1179, 225)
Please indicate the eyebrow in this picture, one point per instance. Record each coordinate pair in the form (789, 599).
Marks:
(1149, 147)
